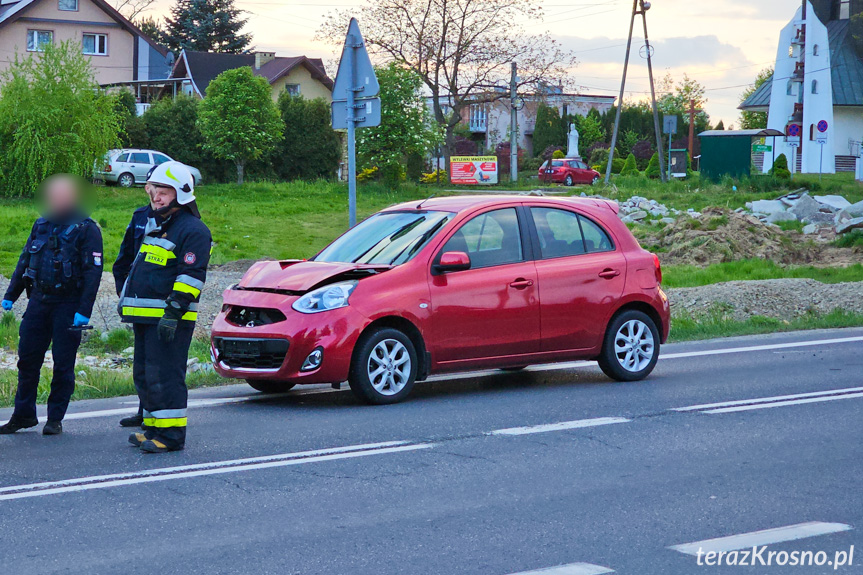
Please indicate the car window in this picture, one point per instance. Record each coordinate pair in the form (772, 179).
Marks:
(160, 159)
(581, 165)
(122, 157)
(490, 239)
(139, 158)
(596, 239)
(559, 232)
(556, 163)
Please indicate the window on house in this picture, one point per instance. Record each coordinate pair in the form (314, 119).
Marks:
(95, 44)
(844, 9)
(789, 88)
(814, 86)
(68, 5)
(815, 49)
(292, 89)
(38, 39)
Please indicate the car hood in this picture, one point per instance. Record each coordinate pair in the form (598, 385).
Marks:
(300, 276)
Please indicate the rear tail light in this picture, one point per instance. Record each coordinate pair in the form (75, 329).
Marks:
(657, 269)
(107, 167)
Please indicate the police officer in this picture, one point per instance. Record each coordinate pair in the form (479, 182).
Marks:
(143, 221)
(60, 268)
(160, 299)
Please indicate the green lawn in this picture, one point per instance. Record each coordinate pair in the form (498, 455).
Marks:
(288, 220)
(718, 324)
(690, 276)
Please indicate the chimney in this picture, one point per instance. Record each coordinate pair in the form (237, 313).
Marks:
(262, 58)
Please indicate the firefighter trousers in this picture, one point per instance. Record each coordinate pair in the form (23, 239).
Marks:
(159, 372)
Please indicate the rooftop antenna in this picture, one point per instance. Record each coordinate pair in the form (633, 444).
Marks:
(420, 205)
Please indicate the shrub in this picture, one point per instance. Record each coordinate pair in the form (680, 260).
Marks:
(549, 152)
(503, 161)
(780, 168)
(616, 166)
(432, 177)
(599, 156)
(630, 168)
(642, 150)
(309, 148)
(367, 174)
(532, 164)
(652, 170)
(558, 155)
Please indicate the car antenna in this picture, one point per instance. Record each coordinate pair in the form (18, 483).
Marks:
(420, 205)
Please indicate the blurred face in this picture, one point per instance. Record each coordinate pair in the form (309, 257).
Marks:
(61, 195)
(160, 196)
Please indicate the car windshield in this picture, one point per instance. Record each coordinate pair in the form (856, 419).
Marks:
(389, 238)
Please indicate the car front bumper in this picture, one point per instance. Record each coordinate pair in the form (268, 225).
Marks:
(335, 332)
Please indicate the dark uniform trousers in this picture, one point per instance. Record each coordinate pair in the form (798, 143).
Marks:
(44, 322)
(159, 372)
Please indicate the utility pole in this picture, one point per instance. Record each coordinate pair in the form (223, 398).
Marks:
(620, 98)
(638, 7)
(513, 127)
(692, 111)
(644, 8)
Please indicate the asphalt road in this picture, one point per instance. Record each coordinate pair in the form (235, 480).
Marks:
(491, 473)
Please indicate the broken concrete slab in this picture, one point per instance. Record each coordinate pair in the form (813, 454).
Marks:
(847, 226)
(776, 217)
(805, 207)
(837, 202)
(767, 206)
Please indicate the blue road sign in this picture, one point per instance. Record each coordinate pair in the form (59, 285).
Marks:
(669, 124)
(367, 114)
(354, 102)
(822, 126)
(794, 130)
(365, 83)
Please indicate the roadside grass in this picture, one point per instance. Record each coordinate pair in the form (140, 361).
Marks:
(754, 269)
(852, 239)
(8, 331)
(252, 221)
(718, 323)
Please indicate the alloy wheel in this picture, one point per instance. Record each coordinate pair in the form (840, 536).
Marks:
(389, 367)
(634, 346)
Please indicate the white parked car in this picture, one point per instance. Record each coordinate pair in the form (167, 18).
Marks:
(128, 167)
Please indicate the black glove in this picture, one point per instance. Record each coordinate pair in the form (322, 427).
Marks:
(169, 322)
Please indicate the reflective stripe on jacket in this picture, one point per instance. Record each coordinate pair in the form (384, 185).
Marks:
(171, 265)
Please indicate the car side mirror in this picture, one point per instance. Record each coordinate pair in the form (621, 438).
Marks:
(452, 262)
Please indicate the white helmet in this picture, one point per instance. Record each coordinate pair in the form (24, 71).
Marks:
(177, 176)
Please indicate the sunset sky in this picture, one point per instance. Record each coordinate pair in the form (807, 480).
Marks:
(721, 43)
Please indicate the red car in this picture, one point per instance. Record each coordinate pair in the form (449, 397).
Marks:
(444, 285)
(567, 171)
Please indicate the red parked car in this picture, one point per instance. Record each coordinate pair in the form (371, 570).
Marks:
(567, 171)
(449, 284)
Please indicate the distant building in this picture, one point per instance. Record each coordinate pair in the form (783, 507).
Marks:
(298, 75)
(118, 50)
(818, 79)
(489, 121)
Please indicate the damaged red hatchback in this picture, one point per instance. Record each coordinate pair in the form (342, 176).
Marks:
(444, 285)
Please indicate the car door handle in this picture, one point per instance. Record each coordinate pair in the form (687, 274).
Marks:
(521, 283)
(609, 273)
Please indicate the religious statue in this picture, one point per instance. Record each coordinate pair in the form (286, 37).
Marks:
(572, 147)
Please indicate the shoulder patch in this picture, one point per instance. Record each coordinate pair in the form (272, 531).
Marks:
(189, 258)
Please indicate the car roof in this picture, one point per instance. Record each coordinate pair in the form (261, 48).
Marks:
(462, 203)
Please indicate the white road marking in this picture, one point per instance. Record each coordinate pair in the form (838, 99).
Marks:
(203, 469)
(561, 426)
(476, 374)
(777, 398)
(571, 569)
(759, 538)
(784, 403)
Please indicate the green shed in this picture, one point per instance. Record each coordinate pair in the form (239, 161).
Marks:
(729, 152)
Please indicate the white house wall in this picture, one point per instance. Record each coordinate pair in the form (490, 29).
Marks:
(848, 121)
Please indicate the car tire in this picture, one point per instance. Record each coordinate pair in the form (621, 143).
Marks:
(378, 372)
(568, 181)
(126, 180)
(594, 181)
(269, 386)
(630, 349)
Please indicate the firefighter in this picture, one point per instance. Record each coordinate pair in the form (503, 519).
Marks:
(143, 220)
(160, 300)
(60, 269)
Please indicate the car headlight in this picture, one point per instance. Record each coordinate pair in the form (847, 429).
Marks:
(326, 298)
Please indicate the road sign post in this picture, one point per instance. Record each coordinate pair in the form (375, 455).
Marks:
(354, 102)
(669, 126)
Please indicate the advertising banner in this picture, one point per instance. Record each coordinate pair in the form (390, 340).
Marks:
(473, 170)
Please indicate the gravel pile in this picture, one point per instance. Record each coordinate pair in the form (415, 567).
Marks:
(823, 215)
(785, 298)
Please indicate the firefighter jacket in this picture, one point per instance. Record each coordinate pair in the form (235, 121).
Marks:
(169, 269)
(143, 221)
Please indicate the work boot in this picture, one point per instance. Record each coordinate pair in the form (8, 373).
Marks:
(156, 446)
(138, 438)
(52, 428)
(15, 423)
(132, 421)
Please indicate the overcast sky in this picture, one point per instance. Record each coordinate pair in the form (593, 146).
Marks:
(721, 43)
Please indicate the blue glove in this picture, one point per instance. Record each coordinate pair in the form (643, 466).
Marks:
(7, 304)
(80, 320)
